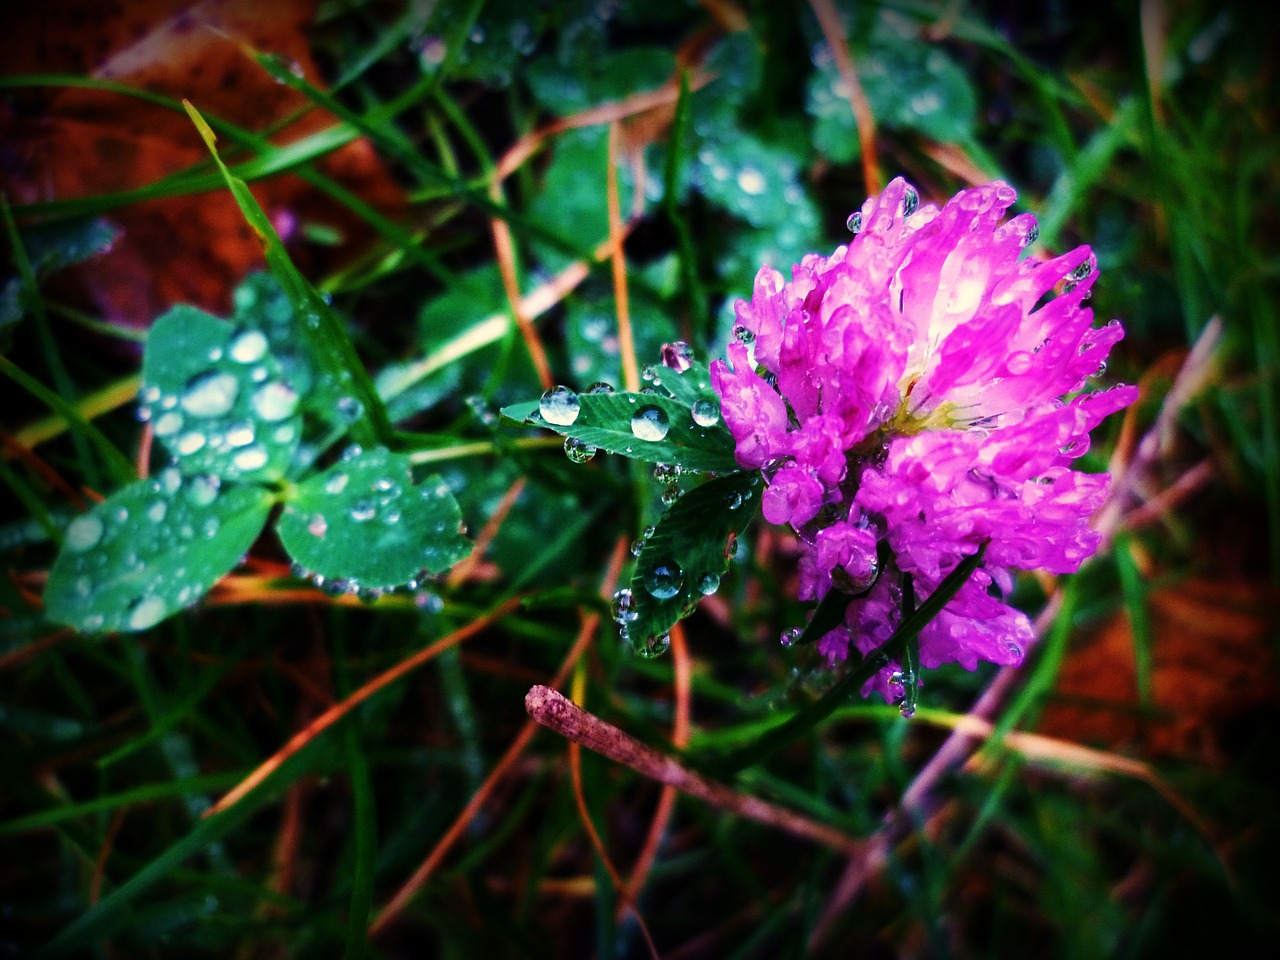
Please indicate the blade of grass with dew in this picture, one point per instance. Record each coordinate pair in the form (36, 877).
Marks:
(318, 326)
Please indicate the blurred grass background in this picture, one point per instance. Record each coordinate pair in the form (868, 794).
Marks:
(429, 165)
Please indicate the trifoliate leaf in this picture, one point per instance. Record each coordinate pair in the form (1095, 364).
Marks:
(366, 524)
(151, 549)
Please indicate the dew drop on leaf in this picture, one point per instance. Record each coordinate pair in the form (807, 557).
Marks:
(663, 580)
(560, 406)
(251, 458)
(147, 612)
(579, 451)
(705, 413)
(274, 401)
(650, 423)
(248, 346)
(210, 394)
(83, 533)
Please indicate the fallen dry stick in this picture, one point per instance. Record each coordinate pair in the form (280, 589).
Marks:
(566, 718)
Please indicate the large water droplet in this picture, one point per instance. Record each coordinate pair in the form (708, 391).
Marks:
(274, 401)
(168, 423)
(601, 386)
(654, 646)
(240, 434)
(147, 612)
(708, 584)
(202, 490)
(83, 533)
(664, 580)
(189, 443)
(624, 607)
(251, 458)
(210, 394)
(666, 473)
(705, 413)
(677, 356)
(560, 406)
(579, 451)
(854, 223)
(248, 346)
(650, 423)
(349, 409)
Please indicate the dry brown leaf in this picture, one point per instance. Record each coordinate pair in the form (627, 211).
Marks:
(66, 143)
(1211, 663)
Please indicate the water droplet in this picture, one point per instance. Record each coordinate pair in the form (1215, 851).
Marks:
(248, 346)
(910, 201)
(671, 494)
(251, 458)
(751, 181)
(1080, 272)
(147, 612)
(168, 423)
(664, 580)
(1102, 369)
(708, 584)
(654, 646)
(240, 434)
(190, 442)
(743, 335)
(336, 483)
(854, 223)
(706, 413)
(908, 710)
(363, 510)
(790, 636)
(579, 451)
(202, 490)
(560, 406)
(1018, 363)
(169, 479)
(210, 527)
(157, 510)
(677, 356)
(210, 394)
(83, 533)
(274, 401)
(318, 526)
(623, 607)
(349, 409)
(667, 473)
(733, 499)
(650, 423)
(601, 386)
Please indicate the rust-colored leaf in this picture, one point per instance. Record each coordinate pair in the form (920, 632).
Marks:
(1211, 664)
(67, 143)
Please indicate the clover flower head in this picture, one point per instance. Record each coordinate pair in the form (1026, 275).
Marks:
(922, 387)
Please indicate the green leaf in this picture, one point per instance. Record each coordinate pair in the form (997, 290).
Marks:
(151, 549)
(686, 555)
(216, 397)
(365, 523)
(690, 386)
(605, 421)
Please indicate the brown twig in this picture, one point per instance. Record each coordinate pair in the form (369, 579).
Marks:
(490, 530)
(554, 711)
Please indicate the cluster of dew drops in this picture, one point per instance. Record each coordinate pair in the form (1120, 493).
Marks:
(650, 423)
(182, 420)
